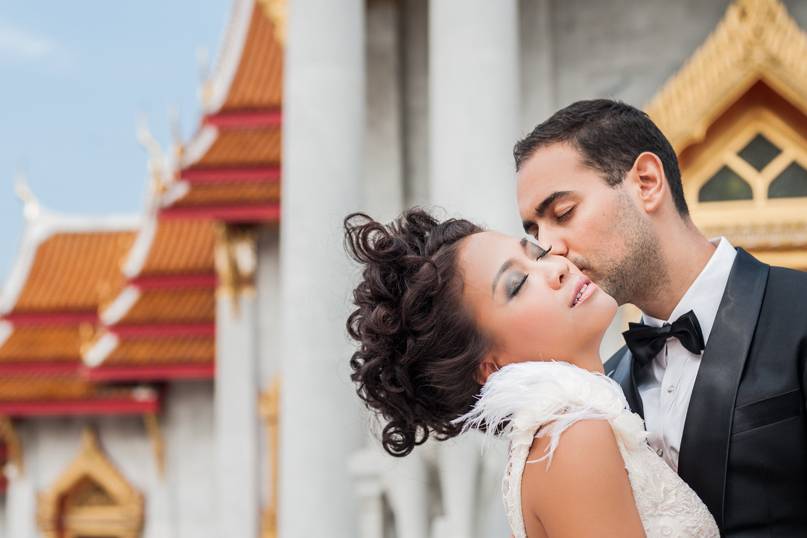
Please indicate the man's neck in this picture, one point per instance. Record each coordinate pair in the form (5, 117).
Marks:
(684, 259)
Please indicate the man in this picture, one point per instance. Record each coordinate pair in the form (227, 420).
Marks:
(718, 366)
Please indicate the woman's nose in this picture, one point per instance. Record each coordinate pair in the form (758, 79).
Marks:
(557, 270)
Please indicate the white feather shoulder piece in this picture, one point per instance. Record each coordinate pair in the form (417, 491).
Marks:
(547, 397)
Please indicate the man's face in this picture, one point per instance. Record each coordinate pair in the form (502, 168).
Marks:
(570, 207)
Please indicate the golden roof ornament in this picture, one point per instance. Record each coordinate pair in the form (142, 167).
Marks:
(756, 40)
(277, 12)
(156, 158)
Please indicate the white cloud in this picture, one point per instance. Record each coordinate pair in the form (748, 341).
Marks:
(19, 44)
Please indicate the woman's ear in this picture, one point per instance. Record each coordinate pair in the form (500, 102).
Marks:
(648, 173)
(488, 366)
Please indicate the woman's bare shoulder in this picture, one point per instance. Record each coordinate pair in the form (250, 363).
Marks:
(585, 489)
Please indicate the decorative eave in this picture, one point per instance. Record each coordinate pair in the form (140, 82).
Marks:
(161, 372)
(230, 213)
(215, 91)
(756, 40)
(41, 227)
(140, 401)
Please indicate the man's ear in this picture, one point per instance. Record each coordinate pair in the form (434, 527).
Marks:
(649, 178)
(488, 366)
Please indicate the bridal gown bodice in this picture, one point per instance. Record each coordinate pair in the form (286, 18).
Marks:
(543, 399)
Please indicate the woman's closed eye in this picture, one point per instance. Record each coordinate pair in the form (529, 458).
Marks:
(517, 280)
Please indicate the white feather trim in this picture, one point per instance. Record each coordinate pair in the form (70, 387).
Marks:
(549, 397)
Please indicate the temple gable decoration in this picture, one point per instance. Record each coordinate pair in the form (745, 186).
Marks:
(91, 498)
(736, 115)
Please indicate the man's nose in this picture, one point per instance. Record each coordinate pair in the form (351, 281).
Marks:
(548, 238)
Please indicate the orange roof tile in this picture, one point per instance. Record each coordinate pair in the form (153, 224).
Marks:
(13, 388)
(173, 306)
(181, 246)
(247, 147)
(44, 343)
(235, 193)
(258, 82)
(74, 272)
(175, 350)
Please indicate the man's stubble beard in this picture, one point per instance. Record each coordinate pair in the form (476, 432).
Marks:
(640, 270)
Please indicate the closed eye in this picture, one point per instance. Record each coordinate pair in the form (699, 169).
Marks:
(566, 215)
(516, 283)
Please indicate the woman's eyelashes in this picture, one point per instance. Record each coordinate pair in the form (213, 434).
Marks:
(518, 279)
(515, 283)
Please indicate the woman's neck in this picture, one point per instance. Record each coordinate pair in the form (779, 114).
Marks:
(590, 360)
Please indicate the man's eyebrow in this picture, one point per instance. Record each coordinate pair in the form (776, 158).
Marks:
(549, 200)
(505, 266)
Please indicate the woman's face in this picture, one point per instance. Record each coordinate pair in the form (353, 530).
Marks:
(533, 305)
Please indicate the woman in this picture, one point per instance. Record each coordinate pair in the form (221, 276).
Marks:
(459, 327)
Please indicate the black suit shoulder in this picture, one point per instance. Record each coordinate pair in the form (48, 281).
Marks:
(612, 364)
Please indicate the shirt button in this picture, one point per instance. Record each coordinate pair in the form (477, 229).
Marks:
(660, 452)
(670, 389)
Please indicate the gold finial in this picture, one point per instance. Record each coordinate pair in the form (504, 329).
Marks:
(156, 160)
(176, 132)
(276, 11)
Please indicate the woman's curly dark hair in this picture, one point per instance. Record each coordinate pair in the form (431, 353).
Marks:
(419, 347)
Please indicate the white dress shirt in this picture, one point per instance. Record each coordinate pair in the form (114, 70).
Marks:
(665, 386)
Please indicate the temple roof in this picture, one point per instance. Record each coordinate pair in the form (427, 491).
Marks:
(249, 70)
(234, 158)
(67, 267)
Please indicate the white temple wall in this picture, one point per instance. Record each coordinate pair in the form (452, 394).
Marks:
(176, 506)
(190, 453)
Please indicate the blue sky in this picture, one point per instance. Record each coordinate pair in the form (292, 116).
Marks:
(74, 78)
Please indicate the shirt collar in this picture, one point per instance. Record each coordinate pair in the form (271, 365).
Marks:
(704, 295)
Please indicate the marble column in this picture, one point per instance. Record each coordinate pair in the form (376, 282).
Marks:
(473, 107)
(20, 502)
(324, 126)
(236, 386)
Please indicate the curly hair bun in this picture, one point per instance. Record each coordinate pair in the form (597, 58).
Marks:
(419, 349)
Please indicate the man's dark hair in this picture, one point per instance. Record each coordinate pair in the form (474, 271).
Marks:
(609, 136)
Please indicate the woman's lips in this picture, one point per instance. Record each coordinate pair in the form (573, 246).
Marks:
(582, 291)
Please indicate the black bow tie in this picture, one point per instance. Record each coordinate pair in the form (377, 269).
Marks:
(645, 342)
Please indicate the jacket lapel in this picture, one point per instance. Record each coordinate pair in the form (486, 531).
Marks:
(703, 458)
(625, 375)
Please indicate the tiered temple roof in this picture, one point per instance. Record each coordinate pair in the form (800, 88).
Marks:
(66, 269)
(230, 170)
(161, 324)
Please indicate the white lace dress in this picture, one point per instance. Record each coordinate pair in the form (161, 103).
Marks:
(531, 395)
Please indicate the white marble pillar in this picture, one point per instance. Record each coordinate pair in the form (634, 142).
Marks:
(236, 415)
(474, 104)
(21, 490)
(322, 182)
(383, 154)
(537, 63)
(20, 507)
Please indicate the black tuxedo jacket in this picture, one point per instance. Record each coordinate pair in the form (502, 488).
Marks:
(744, 447)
